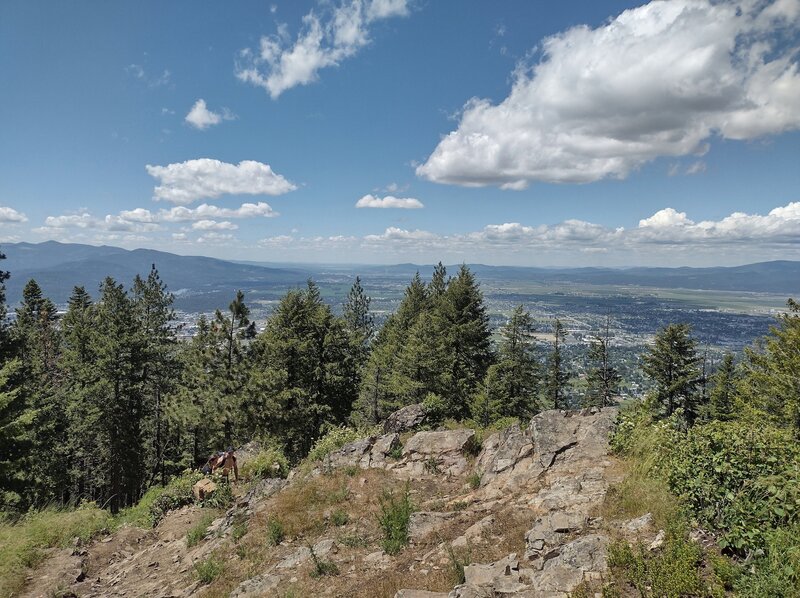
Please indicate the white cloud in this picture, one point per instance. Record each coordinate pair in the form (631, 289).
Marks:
(371, 201)
(138, 72)
(323, 41)
(185, 182)
(214, 225)
(698, 167)
(8, 214)
(658, 80)
(132, 221)
(668, 217)
(214, 238)
(206, 212)
(200, 117)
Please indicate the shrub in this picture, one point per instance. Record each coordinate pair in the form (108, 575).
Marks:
(394, 519)
(198, 530)
(322, 567)
(474, 480)
(353, 541)
(339, 518)
(334, 439)
(174, 495)
(275, 532)
(457, 562)
(209, 569)
(268, 463)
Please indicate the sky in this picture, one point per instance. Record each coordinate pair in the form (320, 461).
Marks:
(576, 133)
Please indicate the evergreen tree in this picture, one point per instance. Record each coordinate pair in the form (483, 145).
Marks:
(556, 376)
(673, 364)
(16, 422)
(360, 327)
(153, 305)
(511, 385)
(4, 340)
(770, 382)
(723, 391)
(603, 379)
(35, 337)
(463, 327)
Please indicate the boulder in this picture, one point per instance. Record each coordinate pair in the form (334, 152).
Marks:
(478, 574)
(586, 553)
(204, 488)
(352, 454)
(502, 451)
(261, 585)
(405, 419)
(423, 523)
(384, 446)
(419, 594)
(550, 531)
(439, 452)
(474, 533)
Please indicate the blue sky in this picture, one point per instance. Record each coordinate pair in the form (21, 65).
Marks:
(514, 132)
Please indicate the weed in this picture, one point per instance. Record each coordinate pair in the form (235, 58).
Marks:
(268, 463)
(351, 471)
(339, 518)
(431, 466)
(275, 531)
(322, 567)
(474, 480)
(198, 530)
(353, 541)
(208, 570)
(457, 562)
(394, 519)
(396, 452)
(459, 505)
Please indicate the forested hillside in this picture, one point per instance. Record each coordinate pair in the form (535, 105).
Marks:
(104, 403)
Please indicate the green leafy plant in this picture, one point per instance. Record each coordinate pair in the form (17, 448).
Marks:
(209, 569)
(268, 463)
(339, 517)
(198, 530)
(394, 519)
(474, 480)
(275, 531)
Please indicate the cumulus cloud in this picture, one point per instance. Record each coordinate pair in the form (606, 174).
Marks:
(8, 214)
(214, 225)
(186, 182)
(206, 212)
(214, 238)
(658, 80)
(324, 40)
(371, 201)
(200, 117)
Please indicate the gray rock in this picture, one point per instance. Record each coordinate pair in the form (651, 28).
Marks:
(474, 532)
(586, 553)
(352, 454)
(256, 587)
(419, 594)
(658, 542)
(424, 523)
(502, 451)
(297, 558)
(639, 524)
(384, 445)
(441, 452)
(478, 574)
(405, 419)
(550, 531)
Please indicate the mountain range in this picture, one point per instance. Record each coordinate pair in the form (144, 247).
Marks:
(58, 267)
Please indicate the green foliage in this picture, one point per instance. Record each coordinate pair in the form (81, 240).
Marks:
(321, 566)
(672, 571)
(602, 378)
(394, 519)
(268, 463)
(741, 480)
(198, 531)
(339, 517)
(209, 569)
(175, 495)
(556, 376)
(776, 573)
(334, 439)
(354, 540)
(275, 531)
(474, 480)
(457, 560)
(673, 364)
(23, 543)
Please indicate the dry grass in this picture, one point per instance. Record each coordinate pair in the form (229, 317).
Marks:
(637, 494)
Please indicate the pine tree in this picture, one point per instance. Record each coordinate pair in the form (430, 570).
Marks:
(4, 337)
(770, 382)
(36, 341)
(463, 326)
(723, 391)
(673, 364)
(153, 305)
(16, 423)
(556, 376)
(603, 379)
(511, 385)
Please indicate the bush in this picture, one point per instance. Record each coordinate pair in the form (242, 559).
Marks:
(209, 569)
(173, 496)
(268, 463)
(275, 531)
(474, 480)
(198, 530)
(775, 574)
(394, 519)
(334, 439)
(339, 518)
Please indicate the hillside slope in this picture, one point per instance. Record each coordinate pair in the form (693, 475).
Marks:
(522, 515)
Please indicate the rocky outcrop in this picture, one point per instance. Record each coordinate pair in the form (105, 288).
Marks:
(441, 452)
(405, 419)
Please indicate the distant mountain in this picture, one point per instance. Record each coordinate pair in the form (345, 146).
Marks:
(202, 283)
(58, 267)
